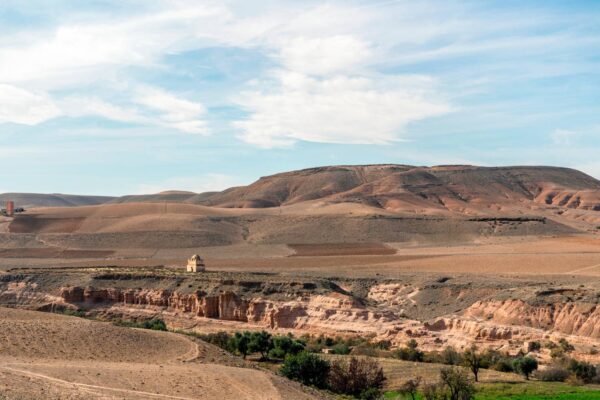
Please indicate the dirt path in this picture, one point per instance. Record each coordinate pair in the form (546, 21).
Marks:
(582, 269)
(88, 387)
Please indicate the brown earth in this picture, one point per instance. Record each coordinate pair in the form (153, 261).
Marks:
(51, 356)
(449, 255)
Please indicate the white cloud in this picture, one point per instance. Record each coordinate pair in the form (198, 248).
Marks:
(92, 106)
(20, 106)
(209, 182)
(178, 113)
(173, 112)
(337, 109)
(75, 53)
(324, 55)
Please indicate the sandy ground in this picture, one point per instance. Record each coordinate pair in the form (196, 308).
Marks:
(572, 255)
(58, 357)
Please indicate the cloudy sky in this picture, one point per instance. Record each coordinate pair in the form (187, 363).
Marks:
(137, 96)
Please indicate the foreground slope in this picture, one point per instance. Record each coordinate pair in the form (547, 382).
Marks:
(58, 357)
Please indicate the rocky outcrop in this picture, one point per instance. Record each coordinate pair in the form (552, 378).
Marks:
(334, 312)
(582, 319)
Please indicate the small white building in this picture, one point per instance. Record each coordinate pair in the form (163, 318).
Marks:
(195, 264)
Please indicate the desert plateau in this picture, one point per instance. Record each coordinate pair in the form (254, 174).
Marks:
(447, 257)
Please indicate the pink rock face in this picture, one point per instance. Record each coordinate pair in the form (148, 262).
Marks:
(569, 318)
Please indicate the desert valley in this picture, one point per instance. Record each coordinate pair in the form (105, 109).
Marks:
(442, 257)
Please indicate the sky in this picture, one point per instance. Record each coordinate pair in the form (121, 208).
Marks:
(139, 96)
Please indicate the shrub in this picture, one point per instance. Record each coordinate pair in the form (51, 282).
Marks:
(552, 374)
(565, 345)
(457, 384)
(584, 371)
(154, 324)
(364, 349)
(307, 368)
(410, 387)
(356, 377)
(284, 345)
(504, 365)
(434, 391)
(383, 345)
(534, 346)
(410, 353)
(450, 356)
(340, 348)
(573, 380)
(220, 339)
(525, 366)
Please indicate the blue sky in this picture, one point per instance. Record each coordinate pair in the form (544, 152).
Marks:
(123, 97)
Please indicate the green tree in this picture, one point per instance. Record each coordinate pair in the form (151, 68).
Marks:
(284, 345)
(525, 366)
(474, 361)
(457, 384)
(260, 342)
(242, 343)
(411, 387)
(358, 377)
(307, 368)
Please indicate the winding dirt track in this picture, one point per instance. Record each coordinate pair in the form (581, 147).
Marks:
(58, 357)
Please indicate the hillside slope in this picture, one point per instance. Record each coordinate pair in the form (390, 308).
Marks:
(34, 200)
(462, 189)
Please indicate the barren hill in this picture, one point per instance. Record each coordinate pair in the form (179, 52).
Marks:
(463, 189)
(31, 200)
(338, 204)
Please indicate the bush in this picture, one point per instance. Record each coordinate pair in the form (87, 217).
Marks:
(340, 348)
(456, 383)
(450, 356)
(565, 345)
(154, 324)
(410, 353)
(552, 374)
(357, 377)
(434, 391)
(307, 368)
(284, 345)
(504, 365)
(364, 349)
(525, 366)
(410, 387)
(534, 346)
(220, 339)
(584, 371)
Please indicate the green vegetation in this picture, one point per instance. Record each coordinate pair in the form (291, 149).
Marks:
(535, 390)
(525, 366)
(307, 368)
(153, 324)
(245, 343)
(362, 378)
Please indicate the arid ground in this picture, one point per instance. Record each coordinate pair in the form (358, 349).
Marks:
(448, 256)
